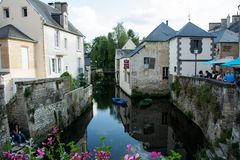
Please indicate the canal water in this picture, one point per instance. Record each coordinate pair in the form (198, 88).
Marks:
(161, 127)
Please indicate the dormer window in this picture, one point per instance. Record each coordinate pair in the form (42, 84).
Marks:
(24, 12)
(6, 12)
(196, 46)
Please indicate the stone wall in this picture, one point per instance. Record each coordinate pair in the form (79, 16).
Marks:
(4, 129)
(215, 107)
(42, 104)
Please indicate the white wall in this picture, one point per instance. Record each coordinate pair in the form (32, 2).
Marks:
(69, 55)
(30, 25)
(188, 67)
(124, 84)
(172, 56)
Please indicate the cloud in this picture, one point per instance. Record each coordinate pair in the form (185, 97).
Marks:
(86, 20)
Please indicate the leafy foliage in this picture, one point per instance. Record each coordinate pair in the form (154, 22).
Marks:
(103, 47)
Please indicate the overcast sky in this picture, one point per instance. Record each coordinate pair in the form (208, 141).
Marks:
(97, 17)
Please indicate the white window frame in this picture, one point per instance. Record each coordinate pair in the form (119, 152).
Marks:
(59, 64)
(25, 57)
(65, 43)
(57, 38)
(78, 43)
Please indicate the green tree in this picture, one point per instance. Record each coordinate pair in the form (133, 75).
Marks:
(135, 38)
(120, 35)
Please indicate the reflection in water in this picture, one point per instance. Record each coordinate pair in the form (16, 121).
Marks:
(160, 127)
(77, 130)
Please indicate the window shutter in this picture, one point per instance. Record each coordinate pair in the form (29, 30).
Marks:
(152, 63)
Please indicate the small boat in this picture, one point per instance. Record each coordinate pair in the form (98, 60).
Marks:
(119, 101)
(145, 103)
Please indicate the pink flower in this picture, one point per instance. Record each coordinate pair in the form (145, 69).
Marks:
(86, 155)
(133, 157)
(54, 130)
(76, 156)
(40, 152)
(102, 155)
(50, 141)
(155, 155)
(129, 147)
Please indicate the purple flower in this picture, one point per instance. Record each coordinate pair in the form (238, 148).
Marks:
(50, 141)
(131, 157)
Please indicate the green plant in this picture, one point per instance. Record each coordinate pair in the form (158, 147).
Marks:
(176, 87)
(225, 134)
(189, 114)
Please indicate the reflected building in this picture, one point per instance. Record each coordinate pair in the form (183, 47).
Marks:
(160, 127)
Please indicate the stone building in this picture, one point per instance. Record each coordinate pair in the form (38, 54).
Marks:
(190, 46)
(225, 44)
(146, 68)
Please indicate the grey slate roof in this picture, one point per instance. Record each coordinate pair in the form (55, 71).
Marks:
(160, 34)
(225, 35)
(9, 31)
(121, 53)
(191, 30)
(140, 47)
(235, 27)
(46, 11)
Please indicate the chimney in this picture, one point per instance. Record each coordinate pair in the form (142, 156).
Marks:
(61, 6)
(228, 21)
(213, 25)
(64, 7)
(223, 23)
(167, 22)
(58, 6)
(235, 18)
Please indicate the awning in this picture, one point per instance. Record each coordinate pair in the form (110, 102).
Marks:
(233, 63)
(218, 61)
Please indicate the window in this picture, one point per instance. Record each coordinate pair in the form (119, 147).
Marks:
(24, 12)
(78, 43)
(125, 75)
(175, 69)
(65, 43)
(54, 64)
(149, 63)
(59, 59)
(6, 12)
(57, 38)
(165, 73)
(196, 46)
(24, 53)
(128, 77)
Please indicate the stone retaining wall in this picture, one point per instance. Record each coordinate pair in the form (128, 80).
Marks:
(212, 105)
(42, 104)
(4, 129)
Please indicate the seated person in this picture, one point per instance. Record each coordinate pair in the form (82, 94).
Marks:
(208, 75)
(17, 135)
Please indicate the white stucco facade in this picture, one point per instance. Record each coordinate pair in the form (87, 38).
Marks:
(125, 76)
(71, 57)
(182, 61)
(33, 25)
